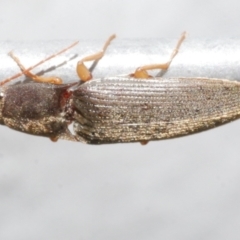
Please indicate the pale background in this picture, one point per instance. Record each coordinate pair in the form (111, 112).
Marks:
(187, 188)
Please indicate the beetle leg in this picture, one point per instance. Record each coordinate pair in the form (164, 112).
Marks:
(82, 71)
(36, 78)
(27, 72)
(141, 72)
(144, 142)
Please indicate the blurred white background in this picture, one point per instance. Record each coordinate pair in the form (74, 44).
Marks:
(186, 188)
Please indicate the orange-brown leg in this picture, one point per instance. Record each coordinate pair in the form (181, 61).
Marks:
(141, 72)
(36, 78)
(82, 71)
(54, 80)
(144, 142)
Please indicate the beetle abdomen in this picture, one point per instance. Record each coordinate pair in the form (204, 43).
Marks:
(128, 110)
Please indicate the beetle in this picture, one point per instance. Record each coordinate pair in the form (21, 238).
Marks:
(132, 108)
